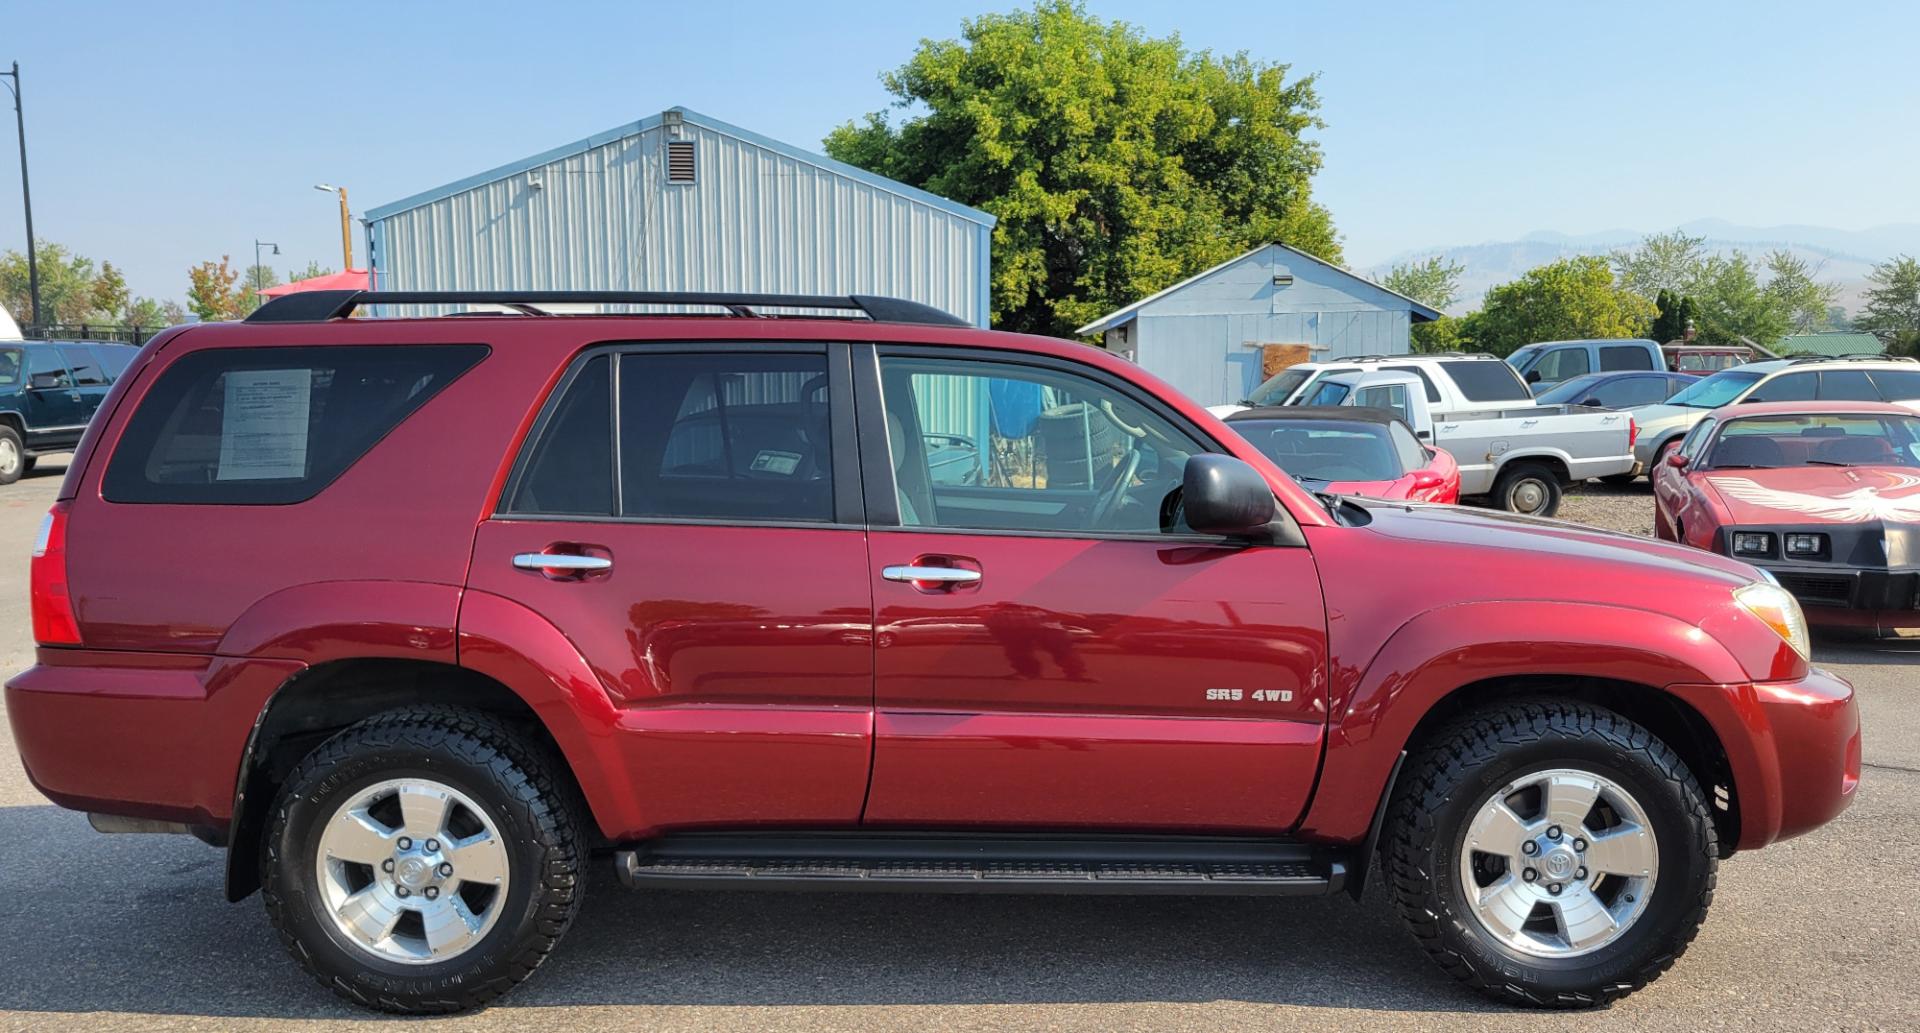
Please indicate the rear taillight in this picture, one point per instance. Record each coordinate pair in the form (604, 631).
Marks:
(1633, 433)
(53, 623)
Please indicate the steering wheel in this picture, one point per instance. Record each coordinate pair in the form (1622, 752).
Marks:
(1110, 500)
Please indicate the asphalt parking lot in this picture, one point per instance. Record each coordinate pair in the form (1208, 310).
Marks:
(132, 932)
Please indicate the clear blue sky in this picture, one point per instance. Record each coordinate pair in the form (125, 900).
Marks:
(164, 134)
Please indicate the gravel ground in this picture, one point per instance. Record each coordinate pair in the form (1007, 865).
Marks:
(1628, 508)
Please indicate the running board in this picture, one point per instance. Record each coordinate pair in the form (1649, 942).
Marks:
(911, 863)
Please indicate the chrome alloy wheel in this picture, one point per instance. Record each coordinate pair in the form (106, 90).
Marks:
(9, 457)
(1559, 863)
(412, 871)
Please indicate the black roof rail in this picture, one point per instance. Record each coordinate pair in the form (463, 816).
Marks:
(320, 306)
(1798, 360)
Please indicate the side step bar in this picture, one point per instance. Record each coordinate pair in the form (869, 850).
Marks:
(912, 863)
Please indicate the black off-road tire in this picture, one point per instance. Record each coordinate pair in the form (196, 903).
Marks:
(1455, 772)
(1519, 472)
(493, 765)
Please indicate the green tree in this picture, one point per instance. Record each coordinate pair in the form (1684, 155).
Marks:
(1434, 283)
(1116, 163)
(1802, 298)
(1674, 314)
(313, 269)
(1569, 299)
(72, 289)
(211, 293)
(1891, 308)
(150, 314)
(1661, 261)
(1732, 305)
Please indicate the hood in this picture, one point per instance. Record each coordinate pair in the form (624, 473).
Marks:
(1549, 545)
(1818, 495)
(1663, 415)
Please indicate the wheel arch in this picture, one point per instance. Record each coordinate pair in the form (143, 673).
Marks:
(1555, 461)
(319, 701)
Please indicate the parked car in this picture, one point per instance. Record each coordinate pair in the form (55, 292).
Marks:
(1777, 380)
(48, 392)
(1617, 390)
(1705, 358)
(446, 608)
(1351, 450)
(1454, 382)
(1825, 496)
(1551, 362)
(1519, 459)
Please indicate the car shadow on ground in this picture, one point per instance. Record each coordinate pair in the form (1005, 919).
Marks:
(138, 924)
(1837, 648)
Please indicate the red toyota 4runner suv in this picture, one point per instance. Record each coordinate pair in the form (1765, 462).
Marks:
(416, 615)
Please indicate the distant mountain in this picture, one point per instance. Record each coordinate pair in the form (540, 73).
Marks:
(1842, 256)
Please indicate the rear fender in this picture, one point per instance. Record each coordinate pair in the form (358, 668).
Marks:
(1375, 711)
(314, 623)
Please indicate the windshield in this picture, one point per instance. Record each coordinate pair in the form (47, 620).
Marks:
(1279, 386)
(1717, 390)
(1523, 358)
(1826, 439)
(1318, 451)
(1331, 392)
(1567, 390)
(1483, 381)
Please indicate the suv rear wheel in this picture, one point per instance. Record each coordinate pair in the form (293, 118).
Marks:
(422, 861)
(13, 455)
(1551, 854)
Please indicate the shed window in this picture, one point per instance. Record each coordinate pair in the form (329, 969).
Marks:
(679, 161)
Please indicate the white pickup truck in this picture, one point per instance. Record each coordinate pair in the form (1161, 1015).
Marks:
(1453, 382)
(1519, 457)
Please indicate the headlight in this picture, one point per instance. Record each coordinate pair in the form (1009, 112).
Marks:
(1806, 544)
(1752, 543)
(1779, 610)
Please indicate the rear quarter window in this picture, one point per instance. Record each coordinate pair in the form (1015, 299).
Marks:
(271, 426)
(1480, 380)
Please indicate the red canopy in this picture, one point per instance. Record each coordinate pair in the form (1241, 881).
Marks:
(351, 280)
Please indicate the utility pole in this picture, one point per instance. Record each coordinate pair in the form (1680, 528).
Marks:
(346, 225)
(26, 197)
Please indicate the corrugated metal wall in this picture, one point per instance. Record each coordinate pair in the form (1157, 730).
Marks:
(755, 219)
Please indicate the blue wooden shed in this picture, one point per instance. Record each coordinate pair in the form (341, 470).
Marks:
(1213, 334)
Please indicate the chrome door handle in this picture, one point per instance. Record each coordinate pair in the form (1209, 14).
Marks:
(943, 575)
(560, 561)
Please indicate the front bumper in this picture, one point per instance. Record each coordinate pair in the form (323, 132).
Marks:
(1853, 596)
(1793, 750)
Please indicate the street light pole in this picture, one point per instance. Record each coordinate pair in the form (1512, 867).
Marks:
(346, 232)
(259, 281)
(26, 197)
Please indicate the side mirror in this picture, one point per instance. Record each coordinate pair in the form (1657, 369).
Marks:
(1533, 376)
(1677, 461)
(1222, 495)
(1423, 435)
(1590, 400)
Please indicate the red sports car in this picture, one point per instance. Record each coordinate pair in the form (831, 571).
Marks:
(1825, 496)
(1351, 450)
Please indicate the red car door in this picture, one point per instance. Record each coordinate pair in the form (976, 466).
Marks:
(1052, 650)
(681, 517)
(1676, 494)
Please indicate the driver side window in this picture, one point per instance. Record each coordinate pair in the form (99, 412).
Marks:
(982, 445)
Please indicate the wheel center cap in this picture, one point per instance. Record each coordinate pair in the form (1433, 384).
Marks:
(1560, 863)
(413, 872)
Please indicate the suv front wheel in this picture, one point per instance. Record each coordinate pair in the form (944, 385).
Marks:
(422, 861)
(1551, 853)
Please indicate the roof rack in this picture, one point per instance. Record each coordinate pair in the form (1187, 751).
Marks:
(320, 306)
(1413, 355)
(1800, 360)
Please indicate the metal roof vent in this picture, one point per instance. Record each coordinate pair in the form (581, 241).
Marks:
(679, 161)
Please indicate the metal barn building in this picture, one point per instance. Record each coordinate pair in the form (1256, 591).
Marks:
(680, 201)
(1217, 335)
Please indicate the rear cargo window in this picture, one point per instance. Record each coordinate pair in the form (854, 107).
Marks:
(271, 426)
(1483, 381)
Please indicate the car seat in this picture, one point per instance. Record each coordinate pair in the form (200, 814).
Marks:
(1749, 450)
